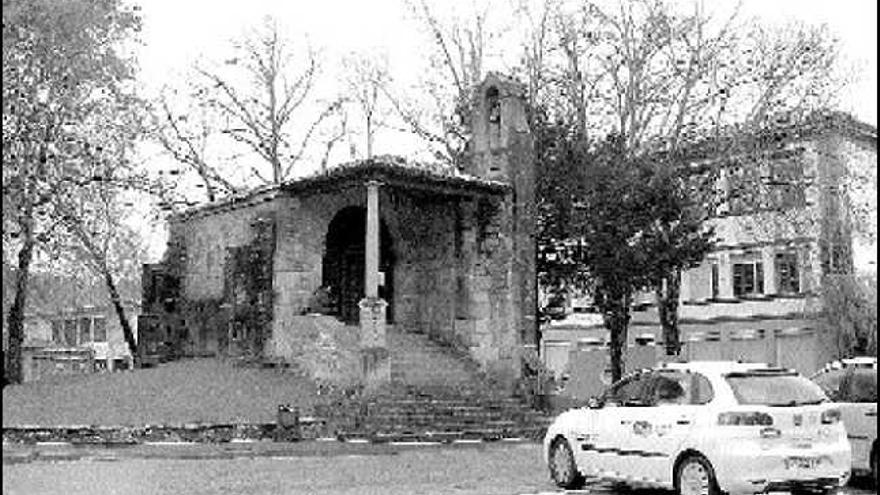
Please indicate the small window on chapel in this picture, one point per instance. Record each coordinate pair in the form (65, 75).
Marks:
(493, 106)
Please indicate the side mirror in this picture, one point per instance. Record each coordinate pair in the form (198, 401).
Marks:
(594, 403)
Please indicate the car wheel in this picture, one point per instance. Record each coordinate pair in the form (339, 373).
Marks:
(563, 469)
(695, 476)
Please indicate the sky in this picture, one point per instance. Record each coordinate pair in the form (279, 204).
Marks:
(178, 33)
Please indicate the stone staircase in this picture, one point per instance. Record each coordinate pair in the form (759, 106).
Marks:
(437, 395)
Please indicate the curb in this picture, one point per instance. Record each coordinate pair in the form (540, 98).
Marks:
(304, 429)
(241, 435)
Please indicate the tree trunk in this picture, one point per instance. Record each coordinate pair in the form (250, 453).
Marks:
(616, 321)
(369, 135)
(127, 332)
(667, 309)
(15, 319)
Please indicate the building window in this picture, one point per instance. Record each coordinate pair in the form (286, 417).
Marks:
(748, 279)
(70, 332)
(787, 273)
(785, 185)
(58, 331)
(99, 329)
(714, 280)
(744, 191)
(85, 330)
(836, 258)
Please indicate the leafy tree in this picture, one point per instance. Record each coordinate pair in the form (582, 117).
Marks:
(677, 238)
(634, 217)
(64, 68)
(849, 315)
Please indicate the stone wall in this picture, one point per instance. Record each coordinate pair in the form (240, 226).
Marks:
(301, 231)
(199, 248)
(423, 231)
(454, 273)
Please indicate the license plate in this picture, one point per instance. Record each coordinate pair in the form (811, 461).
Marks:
(801, 463)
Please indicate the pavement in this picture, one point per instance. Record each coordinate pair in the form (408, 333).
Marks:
(332, 468)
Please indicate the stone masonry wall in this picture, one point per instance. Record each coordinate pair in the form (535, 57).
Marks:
(198, 248)
(424, 275)
(453, 274)
(300, 244)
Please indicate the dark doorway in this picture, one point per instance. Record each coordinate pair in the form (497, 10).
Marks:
(343, 263)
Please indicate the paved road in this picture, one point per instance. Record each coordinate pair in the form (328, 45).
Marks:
(508, 469)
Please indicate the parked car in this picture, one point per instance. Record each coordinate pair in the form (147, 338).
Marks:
(852, 384)
(704, 428)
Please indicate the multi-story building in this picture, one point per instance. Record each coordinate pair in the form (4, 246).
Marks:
(783, 220)
(781, 206)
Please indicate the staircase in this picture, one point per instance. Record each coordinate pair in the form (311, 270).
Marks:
(437, 395)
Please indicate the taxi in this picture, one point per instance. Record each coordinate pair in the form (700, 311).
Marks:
(704, 428)
(852, 385)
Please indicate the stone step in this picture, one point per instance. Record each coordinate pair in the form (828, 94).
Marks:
(445, 408)
(429, 435)
(441, 425)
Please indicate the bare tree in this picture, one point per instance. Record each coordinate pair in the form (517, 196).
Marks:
(100, 240)
(259, 98)
(439, 115)
(366, 78)
(61, 67)
(185, 135)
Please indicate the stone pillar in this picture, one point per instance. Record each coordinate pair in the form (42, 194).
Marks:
(371, 251)
(375, 365)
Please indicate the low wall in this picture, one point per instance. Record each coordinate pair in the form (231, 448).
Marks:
(588, 363)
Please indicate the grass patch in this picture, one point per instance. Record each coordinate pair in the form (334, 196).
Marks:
(188, 391)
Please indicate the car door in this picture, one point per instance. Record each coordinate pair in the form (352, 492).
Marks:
(595, 431)
(858, 407)
(652, 434)
(625, 410)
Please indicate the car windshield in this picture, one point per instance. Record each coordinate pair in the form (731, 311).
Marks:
(774, 389)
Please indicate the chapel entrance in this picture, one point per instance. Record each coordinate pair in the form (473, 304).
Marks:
(343, 263)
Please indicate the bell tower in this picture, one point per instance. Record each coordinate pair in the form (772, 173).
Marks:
(502, 149)
(500, 129)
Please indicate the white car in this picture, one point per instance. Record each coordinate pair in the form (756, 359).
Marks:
(704, 428)
(852, 384)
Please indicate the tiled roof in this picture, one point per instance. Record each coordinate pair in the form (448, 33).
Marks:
(387, 169)
(392, 168)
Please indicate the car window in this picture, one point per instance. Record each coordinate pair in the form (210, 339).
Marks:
(861, 386)
(670, 388)
(679, 387)
(703, 392)
(627, 392)
(830, 383)
(774, 388)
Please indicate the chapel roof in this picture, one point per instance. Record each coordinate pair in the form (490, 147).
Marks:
(390, 170)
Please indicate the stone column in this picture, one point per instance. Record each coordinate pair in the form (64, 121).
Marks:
(371, 264)
(375, 364)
